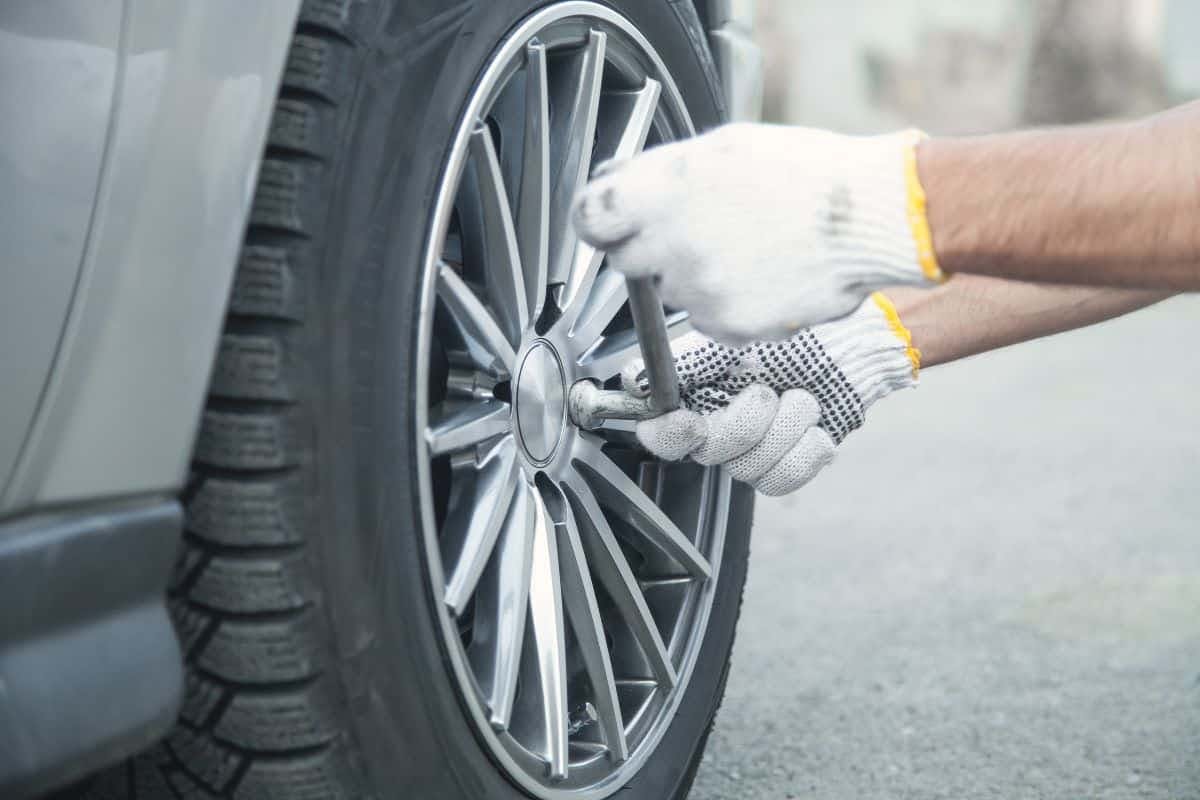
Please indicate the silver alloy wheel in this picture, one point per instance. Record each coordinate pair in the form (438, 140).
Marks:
(574, 575)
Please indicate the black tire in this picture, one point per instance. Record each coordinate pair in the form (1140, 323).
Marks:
(315, 666)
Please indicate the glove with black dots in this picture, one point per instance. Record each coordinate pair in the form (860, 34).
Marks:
(773, 412)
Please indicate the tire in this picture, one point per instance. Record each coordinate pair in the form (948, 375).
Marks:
(316, 667)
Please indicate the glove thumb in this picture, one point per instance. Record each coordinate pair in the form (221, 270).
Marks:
(673, 436)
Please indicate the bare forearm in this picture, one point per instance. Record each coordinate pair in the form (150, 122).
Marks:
(970, 314)
(1115, 205)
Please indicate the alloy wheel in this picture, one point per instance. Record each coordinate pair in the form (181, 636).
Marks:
(574, 574)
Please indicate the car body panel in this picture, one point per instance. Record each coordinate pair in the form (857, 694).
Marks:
(58, 69)
(90, 669)
(133, 132)
(197, 83)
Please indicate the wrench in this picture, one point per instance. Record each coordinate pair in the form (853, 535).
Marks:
(589, 405)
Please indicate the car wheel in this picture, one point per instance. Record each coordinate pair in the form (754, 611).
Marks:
(406, 573)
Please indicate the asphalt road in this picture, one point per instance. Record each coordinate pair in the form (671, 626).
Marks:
(993, 593)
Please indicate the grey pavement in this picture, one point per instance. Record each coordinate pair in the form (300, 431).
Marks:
(993, 593)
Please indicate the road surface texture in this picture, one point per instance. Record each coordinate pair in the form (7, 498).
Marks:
(993, 593)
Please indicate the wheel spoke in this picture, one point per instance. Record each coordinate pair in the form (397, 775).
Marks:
(620, 495)
(609, 566)
(605, 299)
(585, 264)
(629, 117)
(549, 638)
(577, 92)
(606, 359)
(584, 614)
(468, 426)
(506, 280)
(488, 346)
(481, 521)
(533, 213)
(501, 606)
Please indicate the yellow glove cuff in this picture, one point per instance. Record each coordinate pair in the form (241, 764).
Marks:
(893, 319)
(918, 218)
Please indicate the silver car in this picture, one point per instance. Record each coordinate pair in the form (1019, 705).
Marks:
(290, 503)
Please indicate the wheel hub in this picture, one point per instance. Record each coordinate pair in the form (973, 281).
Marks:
(540, 398)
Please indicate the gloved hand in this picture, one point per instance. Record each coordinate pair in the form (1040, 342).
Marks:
(773, 412)
(762, 230)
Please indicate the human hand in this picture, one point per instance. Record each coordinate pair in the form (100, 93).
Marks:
(770, 441)
(773, 412)
(758, 230)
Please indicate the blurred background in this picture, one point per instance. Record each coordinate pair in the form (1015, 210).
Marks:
(995, 590)
(955, 67)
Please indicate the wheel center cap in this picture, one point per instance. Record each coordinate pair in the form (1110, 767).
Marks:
(541, 402)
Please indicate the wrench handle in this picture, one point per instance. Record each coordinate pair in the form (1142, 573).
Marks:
(651, 325)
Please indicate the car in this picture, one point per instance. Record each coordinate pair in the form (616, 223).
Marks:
(290, 502)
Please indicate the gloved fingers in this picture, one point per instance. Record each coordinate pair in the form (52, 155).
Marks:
(619, 203)
(799, 465)
(798, 412)
(673, 436)
(633, 378)
(739, 426)
(595, 214)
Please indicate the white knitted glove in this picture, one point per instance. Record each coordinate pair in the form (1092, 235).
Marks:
(762, 230)
(772, 412)
(770, 441)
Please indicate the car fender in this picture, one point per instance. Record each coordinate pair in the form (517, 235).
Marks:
(195, 86)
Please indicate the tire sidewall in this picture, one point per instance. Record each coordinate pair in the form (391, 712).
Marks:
(410, 731)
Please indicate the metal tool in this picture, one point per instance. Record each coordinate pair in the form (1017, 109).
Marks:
(589, 405)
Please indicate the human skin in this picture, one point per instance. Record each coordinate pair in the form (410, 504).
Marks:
(1041, 229)
(1105, 205)
(970, 314)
